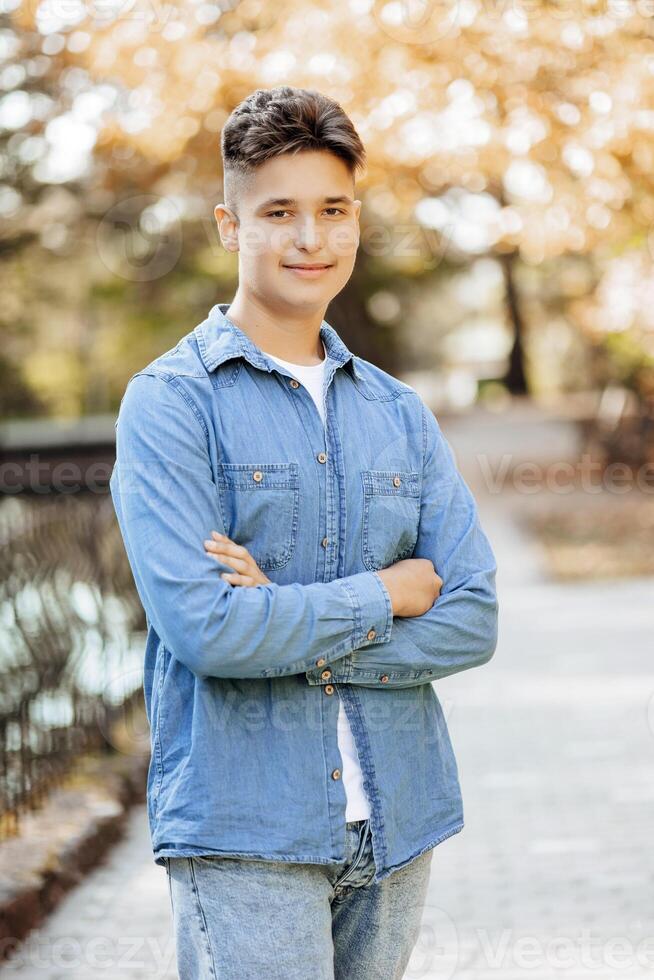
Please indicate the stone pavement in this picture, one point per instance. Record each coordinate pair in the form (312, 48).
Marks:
(553, 874)
(114, 925)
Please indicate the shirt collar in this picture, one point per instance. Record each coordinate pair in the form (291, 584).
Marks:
(219, 340)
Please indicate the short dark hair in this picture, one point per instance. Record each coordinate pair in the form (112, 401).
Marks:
(270, 122)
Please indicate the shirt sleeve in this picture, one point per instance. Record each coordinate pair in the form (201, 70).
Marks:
(167, 503)
(460, 629)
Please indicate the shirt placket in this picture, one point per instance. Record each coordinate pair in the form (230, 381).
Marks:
(332, 515)
(332, 506)
(331, 520)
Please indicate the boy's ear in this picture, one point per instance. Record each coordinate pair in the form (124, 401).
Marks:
(227, 227)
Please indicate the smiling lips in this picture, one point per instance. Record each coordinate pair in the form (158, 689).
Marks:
(310, 270)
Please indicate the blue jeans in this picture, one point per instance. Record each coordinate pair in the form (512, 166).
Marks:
(245, 919)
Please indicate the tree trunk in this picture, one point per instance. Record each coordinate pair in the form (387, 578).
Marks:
(348, 315)
(515, 378)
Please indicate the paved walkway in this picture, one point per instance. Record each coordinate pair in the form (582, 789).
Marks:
(553, 875)
(114, 925)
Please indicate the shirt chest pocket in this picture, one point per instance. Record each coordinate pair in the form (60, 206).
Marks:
(391, 516)
(260, 504)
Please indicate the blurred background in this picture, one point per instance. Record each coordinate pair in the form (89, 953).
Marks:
(506, 271)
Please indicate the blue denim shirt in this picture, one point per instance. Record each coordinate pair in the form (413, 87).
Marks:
(241, 683)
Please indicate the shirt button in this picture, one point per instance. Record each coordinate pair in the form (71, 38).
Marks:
(336, 774)
(329, 688)
(322, 457)
(372, 634)
(258, 476)
(320, 661)
(396, 481)
(325, 542)
(326, 674)
(384, 678)
(294, 384)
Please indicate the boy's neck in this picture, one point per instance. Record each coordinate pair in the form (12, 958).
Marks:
(295, 339)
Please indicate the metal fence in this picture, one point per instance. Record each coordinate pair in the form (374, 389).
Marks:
(71, 638)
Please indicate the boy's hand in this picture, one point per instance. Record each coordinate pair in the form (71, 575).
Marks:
(228, 552)
(413, 584)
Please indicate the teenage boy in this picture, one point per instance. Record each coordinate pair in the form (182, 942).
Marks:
(309, 560)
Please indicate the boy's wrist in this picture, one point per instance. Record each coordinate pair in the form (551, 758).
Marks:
(386, 578)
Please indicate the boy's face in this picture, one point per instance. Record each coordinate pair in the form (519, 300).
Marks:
(298, 210)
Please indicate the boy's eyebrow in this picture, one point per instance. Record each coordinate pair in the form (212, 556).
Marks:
(288, 201)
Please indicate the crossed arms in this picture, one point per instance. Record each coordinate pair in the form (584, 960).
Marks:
(166, 502)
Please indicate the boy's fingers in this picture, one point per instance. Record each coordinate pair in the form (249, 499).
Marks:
(237, 563)
(217, 545)
(224, 539)
(236, 554)
(226, 545)
(236, 578)
(223, 548)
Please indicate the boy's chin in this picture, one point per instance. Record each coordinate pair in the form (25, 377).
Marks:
(306, 299)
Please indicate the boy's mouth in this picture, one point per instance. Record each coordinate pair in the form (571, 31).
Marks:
(308, 269)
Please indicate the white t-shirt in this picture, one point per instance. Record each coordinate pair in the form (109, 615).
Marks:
(357, 806)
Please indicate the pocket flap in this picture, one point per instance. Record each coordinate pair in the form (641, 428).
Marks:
(259, 476)
(403, 482)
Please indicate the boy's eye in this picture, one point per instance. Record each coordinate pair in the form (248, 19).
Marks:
(273, 214)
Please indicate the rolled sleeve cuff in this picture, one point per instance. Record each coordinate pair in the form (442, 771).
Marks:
(373, 610)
